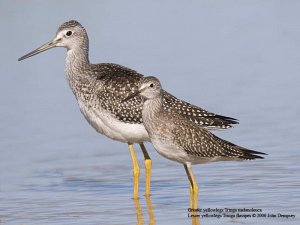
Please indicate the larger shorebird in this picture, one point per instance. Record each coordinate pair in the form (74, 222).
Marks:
(100, 88)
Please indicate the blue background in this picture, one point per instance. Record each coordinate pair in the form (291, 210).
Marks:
(234, 58)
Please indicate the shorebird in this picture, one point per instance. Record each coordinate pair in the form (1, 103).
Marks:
(99, 89)
(177, 138)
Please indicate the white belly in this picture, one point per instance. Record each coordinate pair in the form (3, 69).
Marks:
(168, 150)
(105, 123)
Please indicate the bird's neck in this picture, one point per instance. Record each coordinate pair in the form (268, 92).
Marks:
(151, 111)
(77, 58)
(77, 66)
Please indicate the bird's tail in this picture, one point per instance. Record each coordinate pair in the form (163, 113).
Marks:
(235, 151)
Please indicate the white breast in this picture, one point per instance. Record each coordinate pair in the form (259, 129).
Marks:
(105, 123)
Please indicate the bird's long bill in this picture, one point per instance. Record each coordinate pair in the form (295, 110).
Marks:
(43, 48)
(131, 96)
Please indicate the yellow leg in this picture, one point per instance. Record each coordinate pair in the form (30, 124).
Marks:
(191, 197)
(139, 213)
(150, 211)
(195, 221)
(193, 194)
(193, 187)
(148, 166)
(136, 172)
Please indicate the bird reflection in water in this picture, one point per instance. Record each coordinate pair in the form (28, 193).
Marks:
(150, 210)
(139, 211)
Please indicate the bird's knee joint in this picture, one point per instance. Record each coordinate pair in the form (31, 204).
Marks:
(136, 171)
(148, 163)
(195, 189)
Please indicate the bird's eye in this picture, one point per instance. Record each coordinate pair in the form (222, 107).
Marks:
(69, 33)
(151, 85)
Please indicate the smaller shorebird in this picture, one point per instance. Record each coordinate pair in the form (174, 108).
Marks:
(178, 139)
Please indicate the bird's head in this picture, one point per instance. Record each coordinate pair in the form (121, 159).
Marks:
(149, 88)
(69, 35)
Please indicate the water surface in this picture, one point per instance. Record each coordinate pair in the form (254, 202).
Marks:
(238, 59)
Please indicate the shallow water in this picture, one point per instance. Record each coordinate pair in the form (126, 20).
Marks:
(236, 59)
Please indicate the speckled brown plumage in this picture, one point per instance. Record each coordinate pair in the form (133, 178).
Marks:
(120, 81)
(202, 143)
(171, 132)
